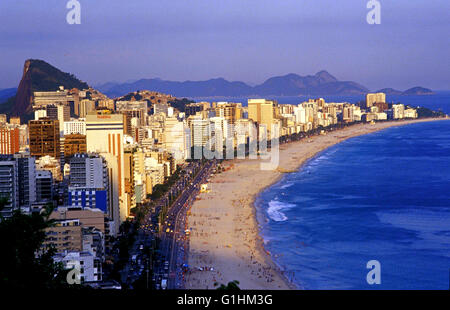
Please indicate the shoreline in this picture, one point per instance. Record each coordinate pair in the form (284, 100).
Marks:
(225, 229)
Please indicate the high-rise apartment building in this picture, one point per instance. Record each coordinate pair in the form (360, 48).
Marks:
(44, 186)
(51, 164)
(86, 106)
(9, 184)
(398, 111)
(200, 131)
(51, 111)
(220, 131)
(65, 235)
(161, 108)
(75, 127)
(44, 98)
(89, 183)
(104, 135)
(9, 140)
(44, 138)
(88, 170)
(262, 111)
(193, 108)
(40, 113)
(347, 114)
(300, 114)
(27, 179)
(63, 115)
(74, 144)
(372, 98)
(229, 110)
(133, 110)
(176, 139)
(17, 181)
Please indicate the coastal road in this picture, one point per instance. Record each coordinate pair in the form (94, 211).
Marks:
(175, 239)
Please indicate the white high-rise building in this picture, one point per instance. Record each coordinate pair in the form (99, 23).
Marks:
(220, 130)
(104, 135)
(200, 132)
(300, 114)
(39, 113)
(88, 170)
(175, 139)
(398, 110)
(9, 184)
(63, 115)
(75, 126)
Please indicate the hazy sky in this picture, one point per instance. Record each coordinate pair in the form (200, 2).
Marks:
(247, 40)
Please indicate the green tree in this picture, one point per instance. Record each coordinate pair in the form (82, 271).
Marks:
(23, 263)
(232, 285)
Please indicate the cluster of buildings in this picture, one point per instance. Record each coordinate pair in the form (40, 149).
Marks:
(95, 159)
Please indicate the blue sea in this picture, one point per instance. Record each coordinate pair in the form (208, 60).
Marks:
(384, 196)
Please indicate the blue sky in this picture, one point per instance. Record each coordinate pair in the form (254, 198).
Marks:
(247, 40)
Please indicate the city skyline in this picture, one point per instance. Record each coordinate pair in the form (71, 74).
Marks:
(245, 41)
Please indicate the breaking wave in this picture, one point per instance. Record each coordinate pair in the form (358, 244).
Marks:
(275, 208)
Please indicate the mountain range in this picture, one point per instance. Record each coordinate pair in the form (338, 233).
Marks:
(322, 83)
(7, 93)
(38, 75)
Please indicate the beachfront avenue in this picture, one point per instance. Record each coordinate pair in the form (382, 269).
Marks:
(234, 299)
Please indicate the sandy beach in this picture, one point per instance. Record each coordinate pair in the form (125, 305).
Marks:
(225, 234)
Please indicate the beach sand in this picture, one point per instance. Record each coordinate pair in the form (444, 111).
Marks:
(225, 234)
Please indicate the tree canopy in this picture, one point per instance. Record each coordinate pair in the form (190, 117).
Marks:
(23, 263)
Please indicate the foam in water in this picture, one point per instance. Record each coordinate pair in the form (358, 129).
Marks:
(275, 208)
(287, 185)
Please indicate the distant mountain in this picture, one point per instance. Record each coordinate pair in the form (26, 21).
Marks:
(412, 91)
(109, 86)
(39, 76)
(390, 91)
(213, 87)
(7, 93)
(321, 83)
(418, 91)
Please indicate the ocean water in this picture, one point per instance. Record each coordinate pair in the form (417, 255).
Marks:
(439, 101)
(383, 196)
